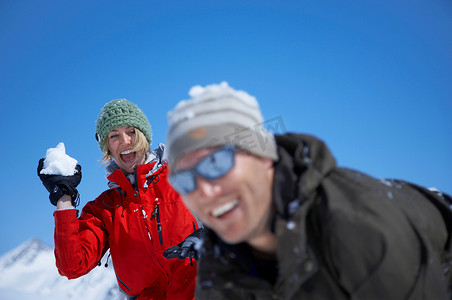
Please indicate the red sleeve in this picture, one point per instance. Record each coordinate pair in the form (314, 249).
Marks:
(79, 243)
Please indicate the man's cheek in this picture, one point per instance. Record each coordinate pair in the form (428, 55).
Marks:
(190, 204)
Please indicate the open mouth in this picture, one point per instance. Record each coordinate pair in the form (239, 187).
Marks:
(128, 156)
(223, 209)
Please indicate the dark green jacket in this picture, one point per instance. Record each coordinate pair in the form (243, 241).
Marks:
(342, 235)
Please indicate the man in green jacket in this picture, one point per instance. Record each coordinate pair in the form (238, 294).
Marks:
(284, 222)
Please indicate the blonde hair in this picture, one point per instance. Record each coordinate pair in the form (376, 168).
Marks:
(141, 146)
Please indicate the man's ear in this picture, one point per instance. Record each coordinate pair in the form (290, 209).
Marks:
(268, 163)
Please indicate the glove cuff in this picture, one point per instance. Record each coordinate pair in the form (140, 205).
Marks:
(61, 190)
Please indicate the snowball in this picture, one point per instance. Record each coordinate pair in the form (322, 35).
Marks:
(57, 162)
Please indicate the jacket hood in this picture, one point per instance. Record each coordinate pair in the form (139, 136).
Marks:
(304, 161)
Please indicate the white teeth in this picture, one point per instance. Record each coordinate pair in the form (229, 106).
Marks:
(224, 208)
(127, 152)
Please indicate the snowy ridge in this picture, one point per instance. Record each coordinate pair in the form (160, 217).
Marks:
(29, 272)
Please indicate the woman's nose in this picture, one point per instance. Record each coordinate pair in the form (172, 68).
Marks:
(125, 138)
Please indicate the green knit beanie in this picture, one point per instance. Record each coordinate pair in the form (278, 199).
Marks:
(119, 113)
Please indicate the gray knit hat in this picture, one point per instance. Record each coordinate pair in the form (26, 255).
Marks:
(218, 115)
(118, 113)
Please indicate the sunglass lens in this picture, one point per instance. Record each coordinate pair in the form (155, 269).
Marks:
(216, 164)
(183, 182)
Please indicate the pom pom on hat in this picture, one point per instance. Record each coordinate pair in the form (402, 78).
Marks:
(217, 115)
(119, 113)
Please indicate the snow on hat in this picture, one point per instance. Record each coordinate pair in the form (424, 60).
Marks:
(119, 113)
(218, 115)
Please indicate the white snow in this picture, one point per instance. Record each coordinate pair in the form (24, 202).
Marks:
(291, 225)
(57, 162)
(198, 244)
(29, 272)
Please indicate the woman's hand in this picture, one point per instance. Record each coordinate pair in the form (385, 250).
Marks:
(60, 185)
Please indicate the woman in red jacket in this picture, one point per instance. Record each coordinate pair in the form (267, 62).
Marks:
(137, 218)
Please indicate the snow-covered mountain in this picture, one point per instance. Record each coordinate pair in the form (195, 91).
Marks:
(29, 272)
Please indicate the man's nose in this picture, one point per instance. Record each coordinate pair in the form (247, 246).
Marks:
(208, 189)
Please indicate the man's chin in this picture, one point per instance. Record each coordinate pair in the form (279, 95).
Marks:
(231, 238)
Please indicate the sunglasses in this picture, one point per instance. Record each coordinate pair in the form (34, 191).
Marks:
(213, 166)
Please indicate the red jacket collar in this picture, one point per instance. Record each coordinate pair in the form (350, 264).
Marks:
(120, 178)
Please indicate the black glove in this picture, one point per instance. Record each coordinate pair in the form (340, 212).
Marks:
(190, 247)
(59, 185)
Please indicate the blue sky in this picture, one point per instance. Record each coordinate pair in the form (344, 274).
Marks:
(371, 78)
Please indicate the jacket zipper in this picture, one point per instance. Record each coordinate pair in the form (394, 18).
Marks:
(159, 226)
(156, 212)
